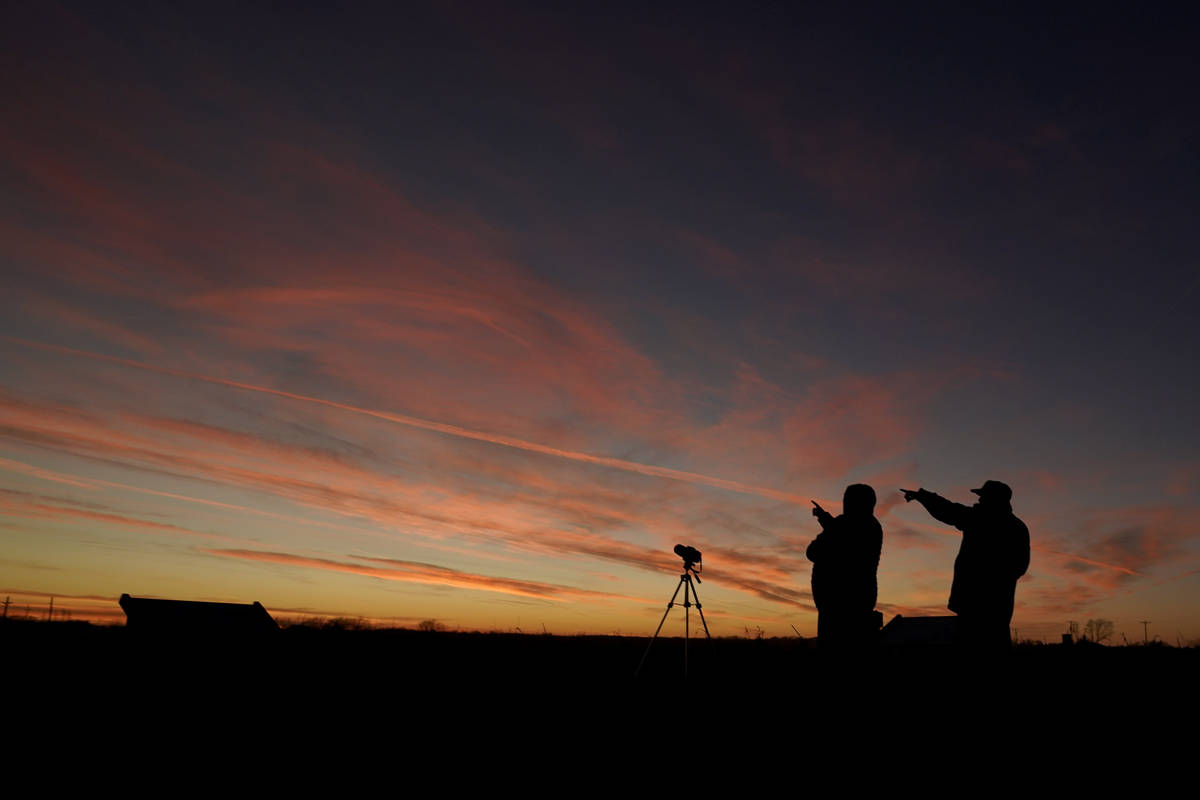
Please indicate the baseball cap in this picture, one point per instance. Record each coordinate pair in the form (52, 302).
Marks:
(995, 489)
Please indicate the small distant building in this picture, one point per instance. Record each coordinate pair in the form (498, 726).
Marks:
(919, 631)
(191, 617)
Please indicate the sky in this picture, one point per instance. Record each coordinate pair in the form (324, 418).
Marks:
(471, 312)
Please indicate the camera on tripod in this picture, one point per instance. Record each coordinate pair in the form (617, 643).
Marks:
(691, 558)
(691, 567)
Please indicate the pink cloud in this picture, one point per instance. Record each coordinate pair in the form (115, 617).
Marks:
(415, 572)
(13, 504)
(535, 513)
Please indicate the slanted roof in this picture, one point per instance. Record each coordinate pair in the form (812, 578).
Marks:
(918, 630)
(191, 616)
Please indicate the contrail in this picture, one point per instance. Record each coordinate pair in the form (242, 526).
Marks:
(440, 427)
(1171, 579)
(1091, 561)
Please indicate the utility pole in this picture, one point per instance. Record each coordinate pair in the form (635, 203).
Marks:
(1145, 631)
(7, 600)
(50, 616)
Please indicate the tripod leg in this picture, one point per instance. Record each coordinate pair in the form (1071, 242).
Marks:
(687, 612)
(670, 603)
(701, 610)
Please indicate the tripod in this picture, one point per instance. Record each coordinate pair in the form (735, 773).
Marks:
(689, 591)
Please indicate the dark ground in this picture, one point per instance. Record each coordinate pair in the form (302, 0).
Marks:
(304, 657)
(570, 705)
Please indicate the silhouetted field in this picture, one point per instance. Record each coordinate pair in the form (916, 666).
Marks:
(440, 697)
(305, 658)
(481, 707)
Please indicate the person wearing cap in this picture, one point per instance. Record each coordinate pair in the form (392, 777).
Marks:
(845, 558)
(993, 555)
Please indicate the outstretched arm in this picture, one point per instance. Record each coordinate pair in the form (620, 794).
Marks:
(940, 508)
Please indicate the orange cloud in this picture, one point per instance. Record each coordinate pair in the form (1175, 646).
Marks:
(45, 474)
(18, 504)
(323, 480)
(346, 489)
(416, 572)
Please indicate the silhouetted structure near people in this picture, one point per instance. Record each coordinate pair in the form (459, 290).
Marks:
(194, 617)
(993, 555)
(845, 557)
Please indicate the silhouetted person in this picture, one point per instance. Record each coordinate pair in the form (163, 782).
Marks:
(845, 557)
(993, 555)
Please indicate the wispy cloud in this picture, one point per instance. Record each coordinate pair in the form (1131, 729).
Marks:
(415, 572)
(451, 430)
(20, 505)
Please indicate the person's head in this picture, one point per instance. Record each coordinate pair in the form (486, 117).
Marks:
(858, 499)
(994, 495)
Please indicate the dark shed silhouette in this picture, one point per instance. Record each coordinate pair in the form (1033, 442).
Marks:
(150, 615)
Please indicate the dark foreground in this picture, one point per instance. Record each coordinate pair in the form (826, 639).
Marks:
(307, 658)
(572, 704)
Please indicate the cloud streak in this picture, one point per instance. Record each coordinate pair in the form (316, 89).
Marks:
(443, 428)
(430, 574)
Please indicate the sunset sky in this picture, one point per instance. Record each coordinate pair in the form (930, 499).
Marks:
(472, 312)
